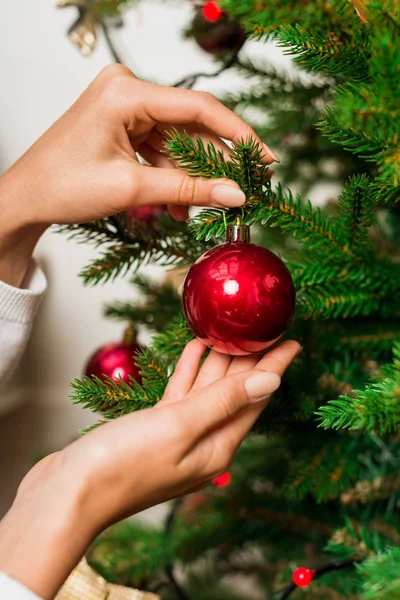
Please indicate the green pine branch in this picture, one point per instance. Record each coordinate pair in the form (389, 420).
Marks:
(244, 164)
(174, 338)
(367, 146)
(115, 399)
(380, 574)
(376, 408)
(329, 54)
(356, 214)
(147, 311)
(356, 541)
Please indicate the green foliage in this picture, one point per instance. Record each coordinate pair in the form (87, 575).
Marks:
(298, 490)
(166, 243)
(130, 554)
(115, 399)
(374, 408)
(381, 576)
(148, 312)
(322, 53)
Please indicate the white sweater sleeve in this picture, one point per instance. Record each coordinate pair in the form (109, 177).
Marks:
(12, 590)
(18, 307)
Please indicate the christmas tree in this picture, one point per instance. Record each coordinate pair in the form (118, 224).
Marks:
(313, 497)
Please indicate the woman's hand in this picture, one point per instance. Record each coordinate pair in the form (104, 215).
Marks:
(136, 461)
(85, 166)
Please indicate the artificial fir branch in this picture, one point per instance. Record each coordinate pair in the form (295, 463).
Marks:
(374, 408)
(147, 312)
(381, 576)
(117, 398)
(174, 338)
(355, 212)
(326, 53)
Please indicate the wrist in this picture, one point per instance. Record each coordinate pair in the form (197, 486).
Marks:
(44, 535)
(19, 233)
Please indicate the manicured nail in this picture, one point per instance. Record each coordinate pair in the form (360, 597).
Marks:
(260, 385)
(271, 153)
(227, 196)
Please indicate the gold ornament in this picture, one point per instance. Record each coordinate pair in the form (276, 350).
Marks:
(92, 15)
(85, 584)
(83, 32)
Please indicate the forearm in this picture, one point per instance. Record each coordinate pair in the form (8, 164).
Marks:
(42, 537)
(19, 231)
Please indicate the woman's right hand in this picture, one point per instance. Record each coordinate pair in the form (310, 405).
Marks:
(137, 461)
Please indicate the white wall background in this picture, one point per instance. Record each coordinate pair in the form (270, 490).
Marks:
(41, 74)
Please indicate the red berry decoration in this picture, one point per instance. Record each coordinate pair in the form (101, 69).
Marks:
(145, 214)
(303, 577)
(238, 298)
(212, 11)
(215, 32)
(222, 480)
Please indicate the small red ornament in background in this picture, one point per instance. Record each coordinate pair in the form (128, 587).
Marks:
(238, 298)
(222, 480)
(145, 214)
(212, 11)
(117, 361)
(303, 577)
(215, 32)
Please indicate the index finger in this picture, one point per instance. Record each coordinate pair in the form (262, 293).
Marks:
(178, 106)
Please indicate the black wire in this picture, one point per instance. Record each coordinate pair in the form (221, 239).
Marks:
(191, 80)
(169, 569)
(110, 44)
(337, 565)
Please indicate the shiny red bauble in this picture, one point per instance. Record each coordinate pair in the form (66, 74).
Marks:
(145, 214)
(115, 360)
(238, 298)
(303, 577)
(215, 32)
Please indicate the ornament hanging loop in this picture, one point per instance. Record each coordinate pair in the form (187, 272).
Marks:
(130, 335)
(239, 232)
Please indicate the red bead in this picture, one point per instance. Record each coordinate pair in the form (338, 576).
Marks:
(303, 577)
(145, 214)
(116, 360)
(222, 480)
(238, 298)
(212, 11)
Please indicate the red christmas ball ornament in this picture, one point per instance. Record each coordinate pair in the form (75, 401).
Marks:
(116, 360)
(212, 11)
(238, 298)
(145, 214)
(215, 32)
(303, 577)
(222, 480)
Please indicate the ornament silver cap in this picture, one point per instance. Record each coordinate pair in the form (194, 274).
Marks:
(239, 232)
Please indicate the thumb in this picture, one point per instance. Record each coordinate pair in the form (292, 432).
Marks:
(225, 398)
(173, 186)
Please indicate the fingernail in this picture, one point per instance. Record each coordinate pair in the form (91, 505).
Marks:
(260, 385)
(300, 350)
(271, 153)
(227, 196)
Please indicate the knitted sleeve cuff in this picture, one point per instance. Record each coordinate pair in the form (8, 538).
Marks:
(19, 305)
